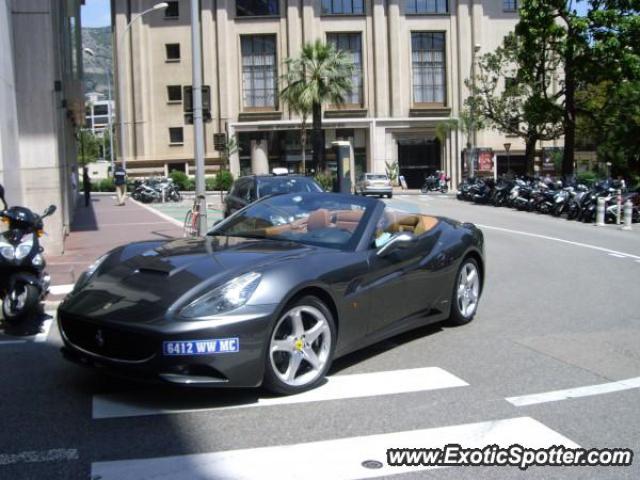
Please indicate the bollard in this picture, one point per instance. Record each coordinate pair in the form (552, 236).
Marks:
(628, 213)
(619, 201)
(600, 212)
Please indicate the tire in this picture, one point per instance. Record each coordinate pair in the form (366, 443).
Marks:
(460, 314)
(29, 298)
(390, 195)
(287, 368)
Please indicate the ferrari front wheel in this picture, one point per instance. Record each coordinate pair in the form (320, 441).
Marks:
(466, 292)
(301, 347)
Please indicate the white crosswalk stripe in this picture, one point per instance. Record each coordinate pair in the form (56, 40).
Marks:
(338, 387)
(339, 459)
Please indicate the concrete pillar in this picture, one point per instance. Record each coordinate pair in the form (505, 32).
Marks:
(186, 168)
(259, 157)
(380, 67)
(396, 91)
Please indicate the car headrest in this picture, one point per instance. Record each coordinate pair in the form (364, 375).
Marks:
(318, 219)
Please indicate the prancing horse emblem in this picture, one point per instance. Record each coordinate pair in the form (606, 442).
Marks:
(99, 338)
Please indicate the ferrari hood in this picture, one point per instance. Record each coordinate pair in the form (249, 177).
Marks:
(140, 284)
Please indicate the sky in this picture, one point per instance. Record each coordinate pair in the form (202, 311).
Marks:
(96, 13)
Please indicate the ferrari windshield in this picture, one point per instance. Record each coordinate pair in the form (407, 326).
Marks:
(324, 219)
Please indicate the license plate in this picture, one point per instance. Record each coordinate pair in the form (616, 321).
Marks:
(201, 347)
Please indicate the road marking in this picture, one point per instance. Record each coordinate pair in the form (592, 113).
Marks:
(560, 240)
(578, 392)
(61, 289)
(11, 342)
(335, 459)
(617, 256)
(54, 455)
(339, 387)
(159, 213)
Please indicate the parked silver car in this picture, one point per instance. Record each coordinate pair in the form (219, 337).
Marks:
(374, 184)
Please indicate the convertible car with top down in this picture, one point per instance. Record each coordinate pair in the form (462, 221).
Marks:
(272, 294)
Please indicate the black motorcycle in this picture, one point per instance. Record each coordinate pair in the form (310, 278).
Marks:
(432, 183)
(23, 281)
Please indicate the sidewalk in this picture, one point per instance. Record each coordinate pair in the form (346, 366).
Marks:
(96, 230)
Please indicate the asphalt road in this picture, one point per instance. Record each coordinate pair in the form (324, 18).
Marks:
(560, 311)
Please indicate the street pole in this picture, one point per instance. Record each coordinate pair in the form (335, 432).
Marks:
(198, 126)
(122, 70)
(476, 49)
(507, 147)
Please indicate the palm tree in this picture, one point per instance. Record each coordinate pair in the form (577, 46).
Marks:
(320, 74)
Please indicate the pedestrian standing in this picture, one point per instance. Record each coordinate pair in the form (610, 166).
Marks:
(120, 181)
(86, 186)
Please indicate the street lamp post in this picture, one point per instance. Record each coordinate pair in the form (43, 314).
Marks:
(473, 133)
(198, 126)
(507, 147)
(91, 53)
(121, 75)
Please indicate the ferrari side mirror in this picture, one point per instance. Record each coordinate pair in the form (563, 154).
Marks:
(397, 242)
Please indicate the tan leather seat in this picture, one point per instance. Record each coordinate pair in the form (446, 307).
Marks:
(318, 219)
(348, 219)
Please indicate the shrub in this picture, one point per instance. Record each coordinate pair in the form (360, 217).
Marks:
(588, 178)
(325, 180)
(105, 185)
(210, 183)
(224, 180)
(180, 179)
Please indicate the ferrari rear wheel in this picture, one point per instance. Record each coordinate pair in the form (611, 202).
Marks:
(466, 293)
(301, 347)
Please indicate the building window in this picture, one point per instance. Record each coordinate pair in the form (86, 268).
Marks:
(351, 43)
(174, 93)
(342, 7)
(100, 110)
(426, 7)
(259, 71)
(173, 52)
(428, 65)
(510, 5)
(510, 84)
(257, 8)
(173, 10)
(176, 136)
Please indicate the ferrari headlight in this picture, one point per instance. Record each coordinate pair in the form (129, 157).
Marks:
(224, 298)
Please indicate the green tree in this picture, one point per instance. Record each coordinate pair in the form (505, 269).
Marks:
(518, 99)
(320, 74)
(88, 147)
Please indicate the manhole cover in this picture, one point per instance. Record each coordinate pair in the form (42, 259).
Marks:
(372, 464)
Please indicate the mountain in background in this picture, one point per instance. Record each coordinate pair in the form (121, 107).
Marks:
(95, 75)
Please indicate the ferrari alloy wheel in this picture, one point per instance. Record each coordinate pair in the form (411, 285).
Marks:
(301, 347)
(466, 293)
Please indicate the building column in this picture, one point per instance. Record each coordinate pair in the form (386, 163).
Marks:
(259, 157)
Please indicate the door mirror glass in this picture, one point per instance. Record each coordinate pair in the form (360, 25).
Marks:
(396, 242)
(49, 211)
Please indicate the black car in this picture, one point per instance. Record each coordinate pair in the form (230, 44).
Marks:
(272, 294)
(248, 189)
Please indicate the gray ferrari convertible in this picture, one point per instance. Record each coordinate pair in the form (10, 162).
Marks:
(272, 294)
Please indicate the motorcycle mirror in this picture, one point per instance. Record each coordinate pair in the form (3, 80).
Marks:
(2, 195)
(49, 211)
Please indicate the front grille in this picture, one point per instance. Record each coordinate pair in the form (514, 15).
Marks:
(107, 341)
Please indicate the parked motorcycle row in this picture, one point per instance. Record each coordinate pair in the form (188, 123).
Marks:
(573, 200)
(156, 190)
(23, 281)
(436, 183)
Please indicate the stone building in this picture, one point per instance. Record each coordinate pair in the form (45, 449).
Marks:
(411, 59)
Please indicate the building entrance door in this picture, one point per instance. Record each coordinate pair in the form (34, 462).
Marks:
(417, 160)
